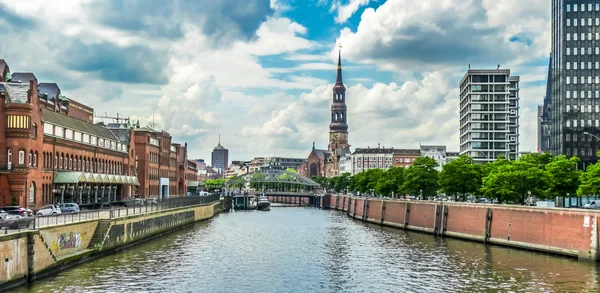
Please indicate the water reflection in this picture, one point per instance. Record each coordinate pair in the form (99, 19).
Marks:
(310, 250)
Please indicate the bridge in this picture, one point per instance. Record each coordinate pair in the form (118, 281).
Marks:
(279, 186)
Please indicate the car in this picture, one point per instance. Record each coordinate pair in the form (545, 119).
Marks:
(591, 205)
(69, 208)
(151, 201)
(134, 203)
(3, 214)
(17, 210)
(49, 210)
(13, 221)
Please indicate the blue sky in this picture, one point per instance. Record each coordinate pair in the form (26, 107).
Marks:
(260, 72)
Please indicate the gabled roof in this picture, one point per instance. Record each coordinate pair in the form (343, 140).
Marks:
(15, 92)
(23, 77)
(76, 124)
(321, 153)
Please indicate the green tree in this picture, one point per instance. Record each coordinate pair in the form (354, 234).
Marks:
(343, 182)
(590, 180)
(461, 177)
(540, 160)
(321, 180)
(421, 178)
(215, 183)
(564, 176)
(512, 181)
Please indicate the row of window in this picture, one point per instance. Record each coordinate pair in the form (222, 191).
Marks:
(582, 80)
(582, 94)
(582, 7)
(70, 134)
(582, 109)
(582, 64)
(580, 152)
(582, 51)
(581, 123)
(582, 22)
(577, 138)
(70, 162)
(582, 36)
(31, 159)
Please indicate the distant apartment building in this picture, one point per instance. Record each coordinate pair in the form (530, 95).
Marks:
(405, 157)
(274, 163)
(489, 114)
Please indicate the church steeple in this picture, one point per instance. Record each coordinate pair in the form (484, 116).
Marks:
(338, 80)
(338, 128)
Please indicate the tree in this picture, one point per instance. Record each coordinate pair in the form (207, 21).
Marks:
(421, 177)
(321, 180)
(541, 160)
(512, 181)
(343, 182)
(564, 176)
(215, 183)
(590, 180)
(461, 177)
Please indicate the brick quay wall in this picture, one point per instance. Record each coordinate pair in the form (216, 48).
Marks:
(567, 232)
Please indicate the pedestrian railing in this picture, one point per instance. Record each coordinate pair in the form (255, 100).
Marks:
(135, 207)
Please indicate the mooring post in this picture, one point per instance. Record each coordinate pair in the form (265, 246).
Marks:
(488, 224)
(382, 211)
(365, 210)
(406, 213)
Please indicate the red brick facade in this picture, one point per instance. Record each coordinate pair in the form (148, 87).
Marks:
(50, 151)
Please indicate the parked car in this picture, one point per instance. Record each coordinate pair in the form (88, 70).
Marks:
(151, 201)
(3, 214)
(49, 210)
(591, 205)
(136, 202)
(13, 221)
(69, 208)
(18, 210)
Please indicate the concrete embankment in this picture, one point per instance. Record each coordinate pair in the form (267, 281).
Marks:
(29, 255)
(561, 231)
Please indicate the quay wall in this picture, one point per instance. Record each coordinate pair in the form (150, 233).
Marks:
(33, 254)
(555, 230)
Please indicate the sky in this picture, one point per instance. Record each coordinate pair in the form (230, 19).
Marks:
(260, 72)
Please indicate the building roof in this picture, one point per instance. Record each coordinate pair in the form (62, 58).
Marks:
(452, 154)
(386, 151)
(15, 92)
(321, 153)
(122, 134)
(23, 77)
(51, 89)
(76, 124)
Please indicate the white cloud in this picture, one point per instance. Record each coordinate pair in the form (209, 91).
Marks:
(346, 11)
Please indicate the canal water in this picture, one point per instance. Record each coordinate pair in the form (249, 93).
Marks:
(311, 250)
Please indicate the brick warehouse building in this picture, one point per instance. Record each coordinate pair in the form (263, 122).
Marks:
(50, 151)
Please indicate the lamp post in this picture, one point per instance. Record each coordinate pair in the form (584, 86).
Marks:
(587, 133)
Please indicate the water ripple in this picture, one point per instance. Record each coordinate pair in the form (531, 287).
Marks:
(309, 250)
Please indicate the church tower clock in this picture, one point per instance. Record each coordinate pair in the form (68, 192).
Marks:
(338, 128)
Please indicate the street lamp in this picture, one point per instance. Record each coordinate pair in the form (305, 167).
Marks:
(587, 133)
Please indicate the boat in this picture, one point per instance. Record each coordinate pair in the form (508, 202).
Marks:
(263, 203)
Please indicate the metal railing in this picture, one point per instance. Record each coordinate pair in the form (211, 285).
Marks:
(135, 207)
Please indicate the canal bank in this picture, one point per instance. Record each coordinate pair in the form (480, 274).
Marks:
(567, 232)
(33, 254)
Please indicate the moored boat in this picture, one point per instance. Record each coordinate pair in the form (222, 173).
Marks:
(264, 204)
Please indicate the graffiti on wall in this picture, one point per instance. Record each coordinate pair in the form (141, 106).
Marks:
(68, 241)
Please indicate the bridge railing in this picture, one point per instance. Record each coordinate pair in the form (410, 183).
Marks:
(133, 208)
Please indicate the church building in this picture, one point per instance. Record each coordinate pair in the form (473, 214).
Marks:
(327, 162)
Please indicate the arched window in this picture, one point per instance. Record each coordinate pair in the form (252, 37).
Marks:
(56, 161)
(34, 130)
(32, 193)
(9, 159)
(21, 157)
(35, 158)
(30, 158)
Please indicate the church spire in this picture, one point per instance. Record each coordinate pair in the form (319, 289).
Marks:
(339, 67)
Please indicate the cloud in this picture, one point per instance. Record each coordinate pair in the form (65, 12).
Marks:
(346, 11)
(428, 34)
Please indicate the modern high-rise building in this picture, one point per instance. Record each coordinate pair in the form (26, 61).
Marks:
(540, 128)
(575, 98)
(544, 126)
(220, 158)
(489, 114)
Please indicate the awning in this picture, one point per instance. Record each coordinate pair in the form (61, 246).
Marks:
(134, 180)
(192, 183)
(69, 177)
(89, 178)
(112, 178)
(98, 178)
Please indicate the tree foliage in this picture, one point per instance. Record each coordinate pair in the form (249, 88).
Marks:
(422, 178)
(461, 177)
